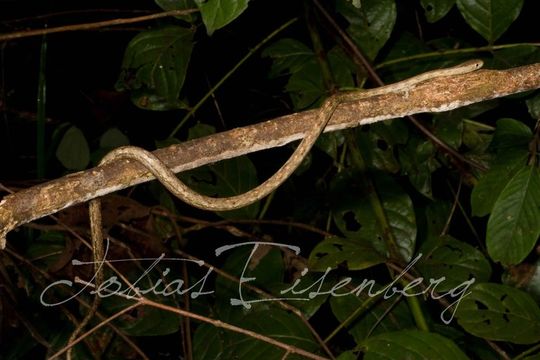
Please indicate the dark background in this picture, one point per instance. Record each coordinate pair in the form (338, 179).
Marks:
(83, 66)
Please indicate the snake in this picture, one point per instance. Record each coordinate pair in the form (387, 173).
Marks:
(186, 194)
(179, 189)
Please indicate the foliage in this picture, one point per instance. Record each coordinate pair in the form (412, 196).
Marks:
(424, 255)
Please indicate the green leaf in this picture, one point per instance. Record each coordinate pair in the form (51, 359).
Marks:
(306, 85)
(355, 217)
(59, 337)
(513, 227)
(208, 342)
(510, 141)
(113, 138)
(150, 321)
(330, 143)
(347, 355)
(434, 218)
(267, 272)
(50, 250)
(412, 345)
(532, 357)
(200, 130)
(288, 56)
(283, 326)
(212, 343)
(477, 137)
(342, 67)
(218, 13)
(73, 151)
(226, 178)
(418, 162)
(533, 105)
(515, 56)
(169, 5)
(490, 18)
(265, 266)
(383, 317)
(490, 185)
(356, 254)
(455, 260)
(501, 313)
(510, 133)
(477, 348)
(436, 9)
(356, 3)
(370, 26)
(407, 44)
(155, 64)
(449, 129)
(525, 276)
(379, 143)
(307, 305)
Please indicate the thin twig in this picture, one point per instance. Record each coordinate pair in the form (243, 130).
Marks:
(229, 74)
(46, 275)
(101, 324)
(261, 292)
(201, 224)
(457, 194)
(443, 302)
(217, 323)
(497, 349)
(446, 52)
(73, 12)
(93, 25)
(227, 326)
(265, 295)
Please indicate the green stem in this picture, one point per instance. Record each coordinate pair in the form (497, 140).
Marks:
(266, 205)
(469, 223)
(534, 146)
(324, 66)
(341, 162)
(479, 125)
(320, 53)
(528, 352)
(416, 309)
(452, 52)
(373, 197)
(40, 116)
(228, 74)
(367, 303)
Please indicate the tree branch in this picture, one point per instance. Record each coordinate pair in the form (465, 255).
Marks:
(435, 95)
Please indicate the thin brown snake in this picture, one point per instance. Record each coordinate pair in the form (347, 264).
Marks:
(186, 194)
